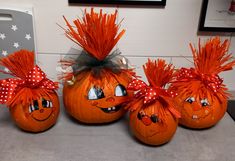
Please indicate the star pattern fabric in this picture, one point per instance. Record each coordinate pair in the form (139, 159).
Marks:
(16, 34)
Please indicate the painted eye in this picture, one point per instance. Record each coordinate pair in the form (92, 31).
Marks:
(140, 115)
(204, 102)
(34, 106)
(120, 90)
(190, 100)
(46, 103)
(95, 93)
(154, 118)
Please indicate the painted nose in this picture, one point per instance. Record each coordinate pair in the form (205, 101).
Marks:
(110, 99)
(146, 120)
(196, 107)
(41, 110)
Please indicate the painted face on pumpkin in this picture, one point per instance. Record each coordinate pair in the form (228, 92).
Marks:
(146, 119)
(197, 109)
(100, 99)
(149, 127)
(41, 110)
(202, 112)
(37, 116)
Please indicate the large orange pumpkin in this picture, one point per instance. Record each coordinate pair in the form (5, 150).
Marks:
(92, 100)
(153, 114)
(202, 97)
(94, 92)
(32, 101)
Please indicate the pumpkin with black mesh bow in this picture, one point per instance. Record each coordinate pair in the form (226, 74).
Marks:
(29, 94)
(153, 113)
(95, 86)
(202, 96)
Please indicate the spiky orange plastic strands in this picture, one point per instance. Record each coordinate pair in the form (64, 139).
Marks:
(213, 57)
(19, 63)
(97, 33)
(158, 72)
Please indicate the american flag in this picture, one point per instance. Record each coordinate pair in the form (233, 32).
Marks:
(16, 32)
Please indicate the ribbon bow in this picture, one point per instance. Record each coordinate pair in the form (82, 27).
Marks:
(214, 82)
(36, 78)
(149, 93)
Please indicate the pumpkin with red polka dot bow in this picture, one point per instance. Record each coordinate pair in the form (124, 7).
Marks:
(153, 113)
(202, 96)
(30, 95)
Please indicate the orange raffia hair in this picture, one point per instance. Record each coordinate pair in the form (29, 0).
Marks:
(158, 74)
(19, 64)
(209, 60)
(96, 33)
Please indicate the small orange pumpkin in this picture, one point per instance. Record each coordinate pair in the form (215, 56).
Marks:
(37, 116)
(153, 114)
(32, 101)
(95, 90)
(202, 96)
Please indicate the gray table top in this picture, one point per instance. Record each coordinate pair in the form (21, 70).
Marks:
(70, 141)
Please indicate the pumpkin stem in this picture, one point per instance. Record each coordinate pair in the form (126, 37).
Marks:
(213, 57)
(97, 33)
(158, 73)
(19, 63)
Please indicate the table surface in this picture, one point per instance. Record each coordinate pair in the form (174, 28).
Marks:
(70, 141)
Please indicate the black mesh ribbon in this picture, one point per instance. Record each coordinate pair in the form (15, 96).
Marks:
(84, 61)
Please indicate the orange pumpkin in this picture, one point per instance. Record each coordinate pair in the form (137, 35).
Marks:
(148, 128)
(37, 116)
(32, 101)
(153, 114)
(202, 97)
(95, 90)
(201, 112)
(99, 100)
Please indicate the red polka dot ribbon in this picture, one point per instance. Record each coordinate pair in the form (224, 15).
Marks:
(36, 78)
(150, 94)
(214, 82)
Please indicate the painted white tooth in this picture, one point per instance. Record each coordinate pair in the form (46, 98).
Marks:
(30, 109)
(195, 117)
(51, 104)
(109, 109)
(113, 108)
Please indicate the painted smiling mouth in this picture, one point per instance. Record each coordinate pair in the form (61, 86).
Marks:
(196, 117)
(42, 119)
(111, 109)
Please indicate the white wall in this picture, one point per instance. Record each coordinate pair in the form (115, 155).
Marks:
(150, 32)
